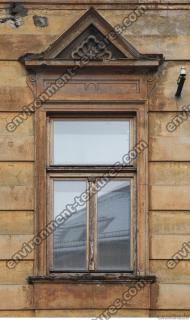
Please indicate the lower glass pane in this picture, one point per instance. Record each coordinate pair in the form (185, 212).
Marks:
(113, 239)
(70, 237)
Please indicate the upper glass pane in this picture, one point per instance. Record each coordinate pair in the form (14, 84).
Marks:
(90, 142)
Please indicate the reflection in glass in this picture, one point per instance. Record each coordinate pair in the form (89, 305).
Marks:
(113, 239)
(70, 237)
(90, 142)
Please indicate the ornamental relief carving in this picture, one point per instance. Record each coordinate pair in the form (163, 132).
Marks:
(93, 49)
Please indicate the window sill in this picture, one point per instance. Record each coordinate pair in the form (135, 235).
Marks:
(91, 278)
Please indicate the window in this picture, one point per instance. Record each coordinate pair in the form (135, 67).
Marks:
(95, 194)
(92, 142)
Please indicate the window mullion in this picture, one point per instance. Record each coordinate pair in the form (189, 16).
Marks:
(92, 227)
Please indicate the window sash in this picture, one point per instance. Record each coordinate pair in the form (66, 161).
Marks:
(91, 241)
(91, 172)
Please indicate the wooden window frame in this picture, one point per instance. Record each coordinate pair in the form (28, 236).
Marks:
(125, 87)
(114, 109)
(92, 219)
(90, 173)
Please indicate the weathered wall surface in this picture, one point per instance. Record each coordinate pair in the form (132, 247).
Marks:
(163, 29)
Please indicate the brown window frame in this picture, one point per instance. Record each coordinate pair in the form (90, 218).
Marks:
(92, 219)
(137, 108)
(90, 173)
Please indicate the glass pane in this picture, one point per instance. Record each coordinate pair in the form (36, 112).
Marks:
(113, 211)
(70, 237)
(90, 142)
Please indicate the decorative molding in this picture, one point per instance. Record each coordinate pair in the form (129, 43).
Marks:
(89, 49)
(31, 82)
(96, 87)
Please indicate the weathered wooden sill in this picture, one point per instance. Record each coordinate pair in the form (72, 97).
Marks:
(91, 278)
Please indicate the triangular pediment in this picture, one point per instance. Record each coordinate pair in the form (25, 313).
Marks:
(93, 35)
(91, 43)
(94, 38)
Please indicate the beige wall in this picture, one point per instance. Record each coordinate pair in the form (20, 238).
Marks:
(163, 29)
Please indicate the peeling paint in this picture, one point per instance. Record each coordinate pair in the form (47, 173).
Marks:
(41, 22)
(17, 9)
(15, 14)
(13, 22)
